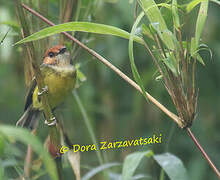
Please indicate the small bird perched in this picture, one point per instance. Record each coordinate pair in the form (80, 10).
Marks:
(59, 78)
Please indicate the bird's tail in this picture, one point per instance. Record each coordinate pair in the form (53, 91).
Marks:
(29, 119)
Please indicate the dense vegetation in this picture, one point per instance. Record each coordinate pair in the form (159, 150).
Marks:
(104, 107)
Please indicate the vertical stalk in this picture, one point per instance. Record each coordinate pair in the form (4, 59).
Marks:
(205, 155)
(88, 125)
(53, 132)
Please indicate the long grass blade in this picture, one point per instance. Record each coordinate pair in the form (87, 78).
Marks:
(201, 21)
(131, 55)
(153, 13)
(26, 137)
(80, 26)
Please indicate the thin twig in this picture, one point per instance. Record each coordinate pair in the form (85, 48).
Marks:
(173, 116)
(203, 152)
(2, 40)
(28, 159)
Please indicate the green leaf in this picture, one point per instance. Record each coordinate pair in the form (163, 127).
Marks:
(12, 24)
(192, 5)
(175, 14)
(216, 1)
(167, 16)
(168, 6)
(153, 13)
(98, 169)
(131, 163)
(199, 58)
(201, 48)
(172, 165)
(80, 75)
(26, 137)
(201, 21)
(131, 55)
(206, 48)
(194, 51)
(80, 26)
(146, 31)
(170, 63)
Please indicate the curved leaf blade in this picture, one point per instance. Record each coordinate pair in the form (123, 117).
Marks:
(175, 14)
(201, 20)
(215, 1)
(26, 137)
(192, 5)
(131, 55)
(172, 165)
(98, 169)
(79, 26)
(153, 13)
(131, 163)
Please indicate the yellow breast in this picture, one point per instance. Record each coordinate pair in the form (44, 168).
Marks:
(60, 83)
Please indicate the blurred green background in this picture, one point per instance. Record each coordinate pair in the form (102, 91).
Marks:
(115, 109)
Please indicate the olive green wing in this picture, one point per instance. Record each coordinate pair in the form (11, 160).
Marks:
(29, 95)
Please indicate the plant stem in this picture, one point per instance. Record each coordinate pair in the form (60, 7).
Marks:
(91, 132)
(203, 152)
(173, 116)
(28, 159)
(88, 125)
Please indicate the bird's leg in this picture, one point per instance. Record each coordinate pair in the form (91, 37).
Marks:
(52, 123)
(44, 90)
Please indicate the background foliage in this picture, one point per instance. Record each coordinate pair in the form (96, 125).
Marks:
(115, 110)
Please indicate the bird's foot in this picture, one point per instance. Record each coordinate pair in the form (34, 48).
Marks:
(52, 123)
(44, 90)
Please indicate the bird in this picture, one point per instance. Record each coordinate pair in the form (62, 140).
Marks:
(59, 76)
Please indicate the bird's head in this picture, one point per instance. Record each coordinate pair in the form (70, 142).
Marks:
(57, 55)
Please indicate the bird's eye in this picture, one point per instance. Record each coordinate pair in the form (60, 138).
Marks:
(51, 54)
(63, 50)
